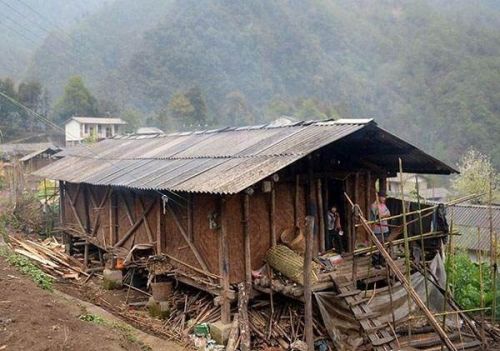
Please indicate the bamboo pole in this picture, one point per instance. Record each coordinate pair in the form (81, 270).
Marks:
(308, 319)
(401, 277)
(493, 252)
(447, 281)
(425, 210)
(481, 287)
(421, 229)
(370, 249)
(407, 244)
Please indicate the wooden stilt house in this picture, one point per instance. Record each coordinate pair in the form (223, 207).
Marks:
(215, 201)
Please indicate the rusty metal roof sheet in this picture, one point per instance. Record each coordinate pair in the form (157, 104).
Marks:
(471, 219)
(220, 161)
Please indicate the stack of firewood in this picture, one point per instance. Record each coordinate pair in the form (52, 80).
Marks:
(281, 324)
(50, 256)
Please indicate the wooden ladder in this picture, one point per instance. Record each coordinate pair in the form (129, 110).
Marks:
(381, 336)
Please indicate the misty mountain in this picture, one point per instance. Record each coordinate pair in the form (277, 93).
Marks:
(25, 24)
(429, 70)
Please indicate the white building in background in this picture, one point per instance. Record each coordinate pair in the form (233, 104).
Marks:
(78, 129)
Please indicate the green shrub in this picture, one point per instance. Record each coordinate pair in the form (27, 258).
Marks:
(26, 267)
(464, 276)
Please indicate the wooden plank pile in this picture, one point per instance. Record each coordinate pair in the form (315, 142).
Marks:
(50, 256)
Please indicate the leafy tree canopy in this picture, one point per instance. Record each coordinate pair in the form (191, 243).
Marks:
(477, 176)
(76, 101)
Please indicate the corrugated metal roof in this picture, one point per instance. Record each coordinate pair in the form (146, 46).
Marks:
(24, 148)
(468, 218)
(98, 120)
(50, 150)
(218, 161)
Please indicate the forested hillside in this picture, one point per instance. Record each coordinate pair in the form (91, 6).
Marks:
(429, 70)
(25, 24)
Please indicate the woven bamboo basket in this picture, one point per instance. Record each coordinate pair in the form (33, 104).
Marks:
(295, 241)
(290, 263)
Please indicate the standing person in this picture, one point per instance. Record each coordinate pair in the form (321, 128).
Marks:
(335, 232)
(379, 211)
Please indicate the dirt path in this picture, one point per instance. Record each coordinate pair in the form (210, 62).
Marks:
(36, 319)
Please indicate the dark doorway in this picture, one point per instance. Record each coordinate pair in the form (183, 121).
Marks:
(335, 196)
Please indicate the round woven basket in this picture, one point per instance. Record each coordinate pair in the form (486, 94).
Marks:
(294, 238)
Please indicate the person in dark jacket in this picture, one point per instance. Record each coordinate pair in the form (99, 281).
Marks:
(335, 233)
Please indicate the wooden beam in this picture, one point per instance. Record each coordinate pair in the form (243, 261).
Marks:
(321, 215)
(97, 210)
(243, 292)
(134, 226)
(246, 238)
(308, 318)
(112, 218)
(191, 245)
(149, 232)
(62, 204)
(272, 214)
(190, 224)
(86, 204)
(160, 221)
(128, 211)
(73, 208)
(296, 202)
(224, 264)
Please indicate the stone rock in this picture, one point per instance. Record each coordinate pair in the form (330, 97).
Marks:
(220, 332)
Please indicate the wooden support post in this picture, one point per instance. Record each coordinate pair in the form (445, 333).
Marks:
(86, 204)
(160, 220)
(243, 291)
(272, 214)
(368, 198)
(113, 235)
(62, 207)
(321, 215)
(72, 203)
(224, 264)
(348, 215)
(404, 282)
(246, 237)
(352, 241)
(190, 230)
(86, 254)
(296, 202)
(308, 319)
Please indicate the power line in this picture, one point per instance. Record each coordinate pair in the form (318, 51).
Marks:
(56, 127)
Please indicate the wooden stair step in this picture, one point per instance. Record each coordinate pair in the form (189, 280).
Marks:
(349, 293)
(366, 315)
(370, 330)
(382, 341)
(359, 302)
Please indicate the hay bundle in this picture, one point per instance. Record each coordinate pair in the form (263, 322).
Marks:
(290, 263)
